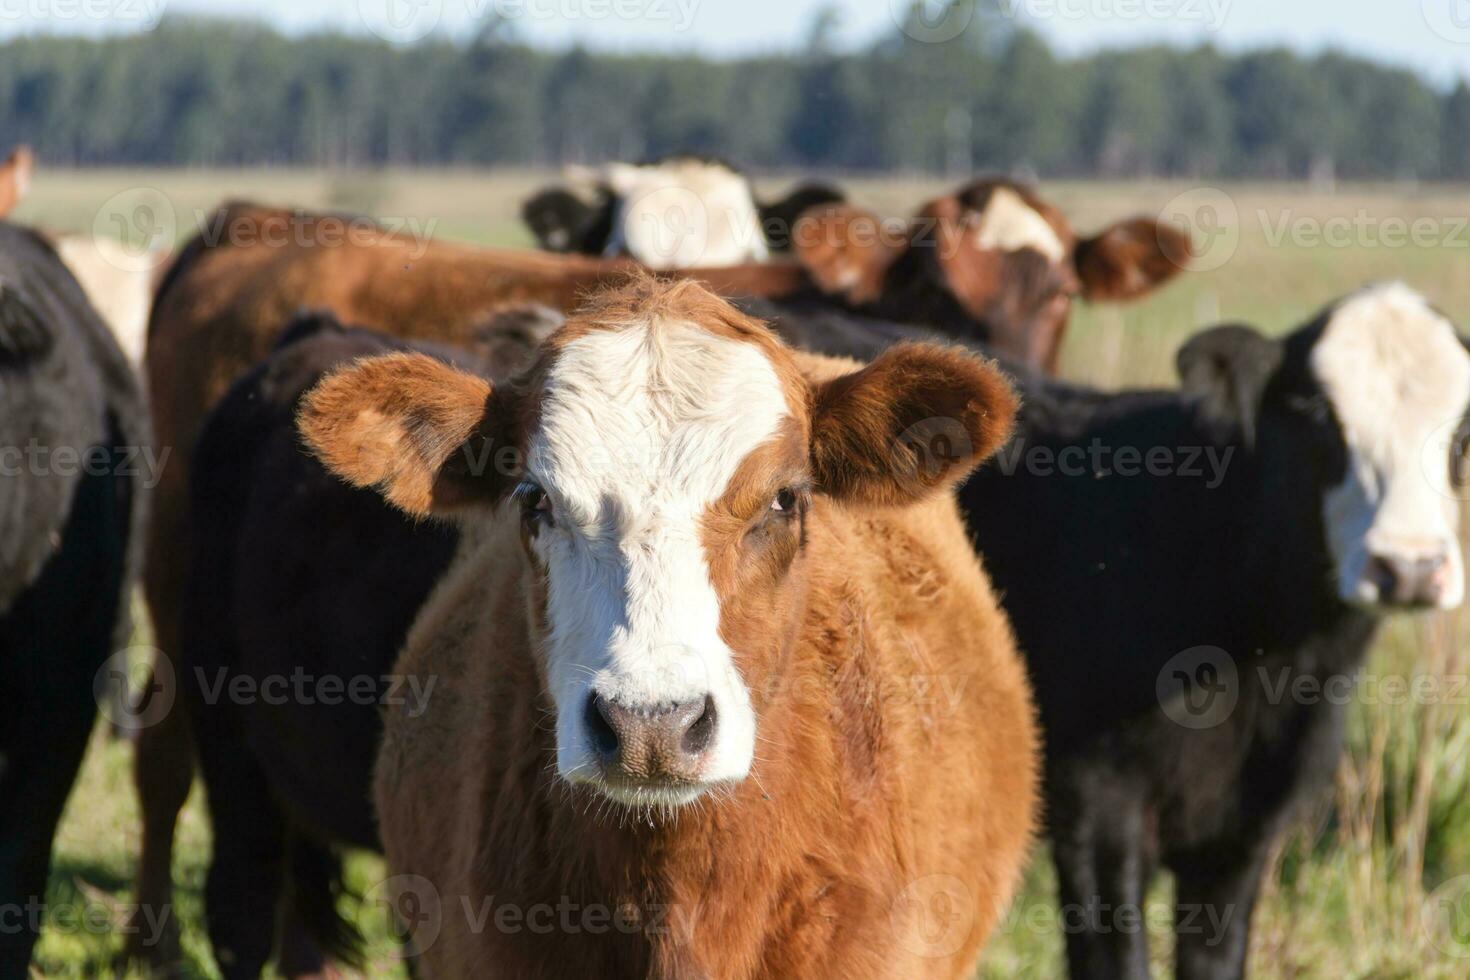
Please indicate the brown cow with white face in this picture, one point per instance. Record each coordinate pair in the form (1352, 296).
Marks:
(714, 650)
(991, 262)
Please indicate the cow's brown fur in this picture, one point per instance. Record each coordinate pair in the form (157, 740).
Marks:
(15, 178)
(896, 770)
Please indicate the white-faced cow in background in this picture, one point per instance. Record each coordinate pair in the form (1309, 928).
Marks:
(680, 212)
(1395, 377)
(1180, 567)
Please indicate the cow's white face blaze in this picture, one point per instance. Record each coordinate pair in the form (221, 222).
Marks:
(641, 430)
(1397, 379)
(1009, 224)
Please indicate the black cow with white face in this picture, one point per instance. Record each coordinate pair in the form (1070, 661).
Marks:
(1300, 490)
(678, 211)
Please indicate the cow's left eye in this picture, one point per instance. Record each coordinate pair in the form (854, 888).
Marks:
(785, 501)
(1460, 455)
(535, 504)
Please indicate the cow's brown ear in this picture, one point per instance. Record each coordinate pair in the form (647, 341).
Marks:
(1130, 259)
(15, 178)
(429, 437)
(912, 423)
(846, 250)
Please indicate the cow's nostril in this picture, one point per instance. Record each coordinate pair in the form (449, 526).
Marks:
(701, 732)
(1434, 565)
(600, 726)
(1384, 575)
(1408, 581)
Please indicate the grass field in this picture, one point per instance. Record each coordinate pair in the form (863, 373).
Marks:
(1375, 885)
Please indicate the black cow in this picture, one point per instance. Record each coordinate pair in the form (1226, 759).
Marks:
(73, 431)
(563, 221)
(289, 597)
(1299, 489)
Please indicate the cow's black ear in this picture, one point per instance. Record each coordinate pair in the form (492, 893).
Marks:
(1226, 368)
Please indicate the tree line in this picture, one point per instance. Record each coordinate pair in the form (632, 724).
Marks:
(994, 98)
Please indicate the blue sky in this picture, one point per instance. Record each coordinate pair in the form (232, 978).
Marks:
(1432, 36)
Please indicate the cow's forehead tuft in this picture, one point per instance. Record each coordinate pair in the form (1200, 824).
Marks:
(660, 410)
(1392, 366)
(1008, 224)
